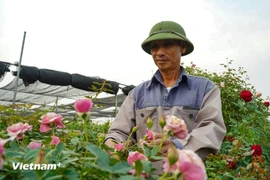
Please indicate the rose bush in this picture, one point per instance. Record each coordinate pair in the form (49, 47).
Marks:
(247, 122)
(47, 138)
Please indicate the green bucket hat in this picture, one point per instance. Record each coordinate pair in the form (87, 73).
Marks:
(167, 30)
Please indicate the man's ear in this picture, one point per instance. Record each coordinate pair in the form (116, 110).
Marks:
(183, 49)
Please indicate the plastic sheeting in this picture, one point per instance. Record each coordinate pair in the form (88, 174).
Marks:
(39, 93)
(46, 87)
(44, 94)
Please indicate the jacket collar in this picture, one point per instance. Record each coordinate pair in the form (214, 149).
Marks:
(184, 77)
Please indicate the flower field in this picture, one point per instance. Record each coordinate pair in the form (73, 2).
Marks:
(45, 145)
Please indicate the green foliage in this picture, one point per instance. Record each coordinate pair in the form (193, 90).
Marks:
(247, 124)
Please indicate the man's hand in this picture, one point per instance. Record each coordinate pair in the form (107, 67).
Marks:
(110, 143)
(167, 144)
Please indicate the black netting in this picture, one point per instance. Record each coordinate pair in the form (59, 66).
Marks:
(54, 77)
(93, 84)
(126, 89)
(3, 68)
(29, 74)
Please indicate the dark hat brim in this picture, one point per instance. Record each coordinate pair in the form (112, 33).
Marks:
(146, 45)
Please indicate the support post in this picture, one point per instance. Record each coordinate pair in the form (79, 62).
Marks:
(18, 70)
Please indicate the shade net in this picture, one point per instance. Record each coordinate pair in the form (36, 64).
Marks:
(49, 88)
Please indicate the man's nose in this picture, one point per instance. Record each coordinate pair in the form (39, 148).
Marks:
(161, 51)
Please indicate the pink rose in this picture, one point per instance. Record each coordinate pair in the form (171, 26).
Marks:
(189, 164)
(51, 119)
(135, 156)
(119, 147)
(83, 105)
(149, 135)
(258, 94)
(177, 126)
(55, 140)
(34, 145)
(192, 172)
(2, 150)
(18, 130)
(167, 167)
(2, 144)
(133, 171)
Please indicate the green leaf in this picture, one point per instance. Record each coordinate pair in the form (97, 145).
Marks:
(13, 145)
(91, 133)
(89, 158)
(69, 153)
(91, 165)
(103, 159)
(147, 151)
(45, 173)
(98, 152)
(154, 151)
(104, 165)
(59, 148)
(127, 178)
(71, 174)
(147, 166)
(54, 177)
(138, 167)
(29, 175)
(53, 159)
(49, 153)
(121, 168)
(156, 158)
(31, 154)
(13, 154)
(2, 177)
(69, 161)
(75, 141)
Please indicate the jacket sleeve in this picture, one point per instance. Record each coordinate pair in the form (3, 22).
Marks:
(209, 128)
(124, 121)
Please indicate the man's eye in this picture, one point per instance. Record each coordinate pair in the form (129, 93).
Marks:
(153, 46)
(168, 43)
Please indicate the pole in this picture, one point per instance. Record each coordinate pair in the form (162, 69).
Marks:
(19, 69)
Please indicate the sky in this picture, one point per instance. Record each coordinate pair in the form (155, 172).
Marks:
(103, 38)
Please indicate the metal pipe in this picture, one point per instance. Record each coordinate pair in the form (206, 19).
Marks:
(19, 69)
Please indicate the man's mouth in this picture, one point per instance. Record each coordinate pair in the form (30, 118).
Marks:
(162, 60)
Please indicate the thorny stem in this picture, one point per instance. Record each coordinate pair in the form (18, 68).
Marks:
(85, 129)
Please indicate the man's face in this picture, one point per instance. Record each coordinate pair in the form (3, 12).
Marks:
(167, 54)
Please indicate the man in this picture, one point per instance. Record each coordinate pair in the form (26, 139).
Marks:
(172, 91)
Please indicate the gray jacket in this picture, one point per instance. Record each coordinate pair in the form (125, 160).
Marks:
(194, 99)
